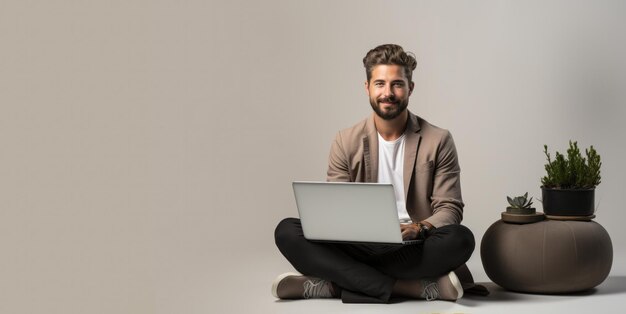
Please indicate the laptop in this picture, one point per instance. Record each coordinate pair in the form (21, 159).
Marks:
(349, 212)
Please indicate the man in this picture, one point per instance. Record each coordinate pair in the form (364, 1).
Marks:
(420, 160)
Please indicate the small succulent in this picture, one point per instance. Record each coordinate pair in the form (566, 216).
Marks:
(520, 202)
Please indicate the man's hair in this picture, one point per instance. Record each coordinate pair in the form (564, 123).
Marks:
(389, 54)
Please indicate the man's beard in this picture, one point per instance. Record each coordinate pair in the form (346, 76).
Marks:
(394, 112)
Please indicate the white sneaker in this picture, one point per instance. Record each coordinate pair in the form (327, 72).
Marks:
(447, 287)
(297, 286)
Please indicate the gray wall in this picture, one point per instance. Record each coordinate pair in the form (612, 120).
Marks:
(143, 140)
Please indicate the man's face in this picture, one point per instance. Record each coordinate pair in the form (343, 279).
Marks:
(388, 90)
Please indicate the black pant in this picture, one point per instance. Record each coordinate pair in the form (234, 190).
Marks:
(367, 273)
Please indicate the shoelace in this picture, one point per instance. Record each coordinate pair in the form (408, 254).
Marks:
(316, 288)
(431, 290)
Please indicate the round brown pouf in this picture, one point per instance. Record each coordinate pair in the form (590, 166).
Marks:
(548, 256)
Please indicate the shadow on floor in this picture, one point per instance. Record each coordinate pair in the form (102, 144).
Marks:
(612, 285)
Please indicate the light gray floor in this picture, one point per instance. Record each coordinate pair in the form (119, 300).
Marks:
(248, 290)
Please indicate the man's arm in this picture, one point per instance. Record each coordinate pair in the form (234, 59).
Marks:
(338, 167)
(446, 200)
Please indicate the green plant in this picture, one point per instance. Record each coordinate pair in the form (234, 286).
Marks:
(520, 202)
(573, 172)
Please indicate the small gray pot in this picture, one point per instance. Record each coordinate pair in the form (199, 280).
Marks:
(521, 211)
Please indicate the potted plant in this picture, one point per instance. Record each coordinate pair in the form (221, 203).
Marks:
(520, 205)
(569, 185)
(520, 211)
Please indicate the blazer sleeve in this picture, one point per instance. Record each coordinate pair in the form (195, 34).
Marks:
(446, 201)
(338, 166)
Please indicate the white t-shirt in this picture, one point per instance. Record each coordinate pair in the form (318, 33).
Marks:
(390, 168)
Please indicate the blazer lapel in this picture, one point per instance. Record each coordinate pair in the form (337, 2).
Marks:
(410, 151)
(370, 151)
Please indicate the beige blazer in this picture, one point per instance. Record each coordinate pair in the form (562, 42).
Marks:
(432, 186)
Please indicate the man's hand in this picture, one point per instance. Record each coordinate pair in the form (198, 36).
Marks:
(409, 231)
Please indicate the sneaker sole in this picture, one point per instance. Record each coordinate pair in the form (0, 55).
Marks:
(278, 280)
(457, 284)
